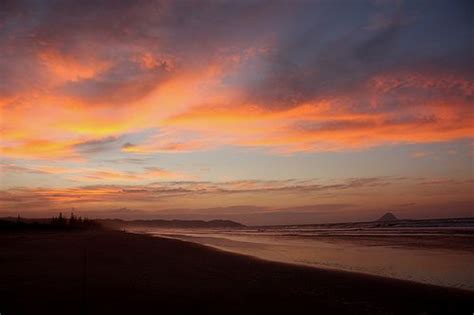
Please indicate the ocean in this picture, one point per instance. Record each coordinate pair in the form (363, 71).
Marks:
(439, 252)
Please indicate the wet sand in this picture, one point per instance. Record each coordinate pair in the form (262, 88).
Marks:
(446, 260)
(112, 272)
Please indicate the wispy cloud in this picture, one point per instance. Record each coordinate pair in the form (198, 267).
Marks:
(420, 154)
(97, 145)
(84, 174)
(40, 169)
(128, 95)
(258, 81)
(110, 175)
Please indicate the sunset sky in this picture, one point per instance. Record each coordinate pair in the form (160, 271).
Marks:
(264, 112)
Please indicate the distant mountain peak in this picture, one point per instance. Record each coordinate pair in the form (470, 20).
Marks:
(388, 217)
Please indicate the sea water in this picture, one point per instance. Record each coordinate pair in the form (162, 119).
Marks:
(441, 255)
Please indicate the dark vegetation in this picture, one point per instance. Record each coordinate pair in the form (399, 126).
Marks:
(78, 223)
(59, 223)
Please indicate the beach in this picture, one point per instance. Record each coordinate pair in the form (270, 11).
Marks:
(446, 253)
(114, 272)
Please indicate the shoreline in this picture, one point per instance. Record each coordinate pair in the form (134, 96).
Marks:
(129, 272)
(308, 265)
(300, 264)
(243, 247)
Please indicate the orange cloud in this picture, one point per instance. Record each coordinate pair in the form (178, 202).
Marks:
(337, 124)
(109, 175)
(70, 68)
(41, 169)
(100, 175)
(364, 192)
(39, 148)
(154, 146)
(420, 154)
(44, 123)
(194, 109)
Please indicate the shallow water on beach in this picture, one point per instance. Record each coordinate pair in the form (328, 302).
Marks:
(441, 256)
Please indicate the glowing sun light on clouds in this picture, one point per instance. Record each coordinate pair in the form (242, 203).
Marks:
(179, 81)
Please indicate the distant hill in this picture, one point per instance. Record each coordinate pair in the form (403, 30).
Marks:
(388, 217)
(117, 223)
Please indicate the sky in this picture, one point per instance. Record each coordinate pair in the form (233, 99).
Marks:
(263, 112)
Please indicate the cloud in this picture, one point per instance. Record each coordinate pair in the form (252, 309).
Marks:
(251, 74)
(157, 191)
(149, 173)
(39, 169)
(163, 146)
(10, 168)
(70, 68)
(132, 160)
(102, 175)
(122, 84)
(267, 201)
(420, 154)
(438, 181)
(96, 145)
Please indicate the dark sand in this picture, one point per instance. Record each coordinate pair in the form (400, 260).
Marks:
(43, 273)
